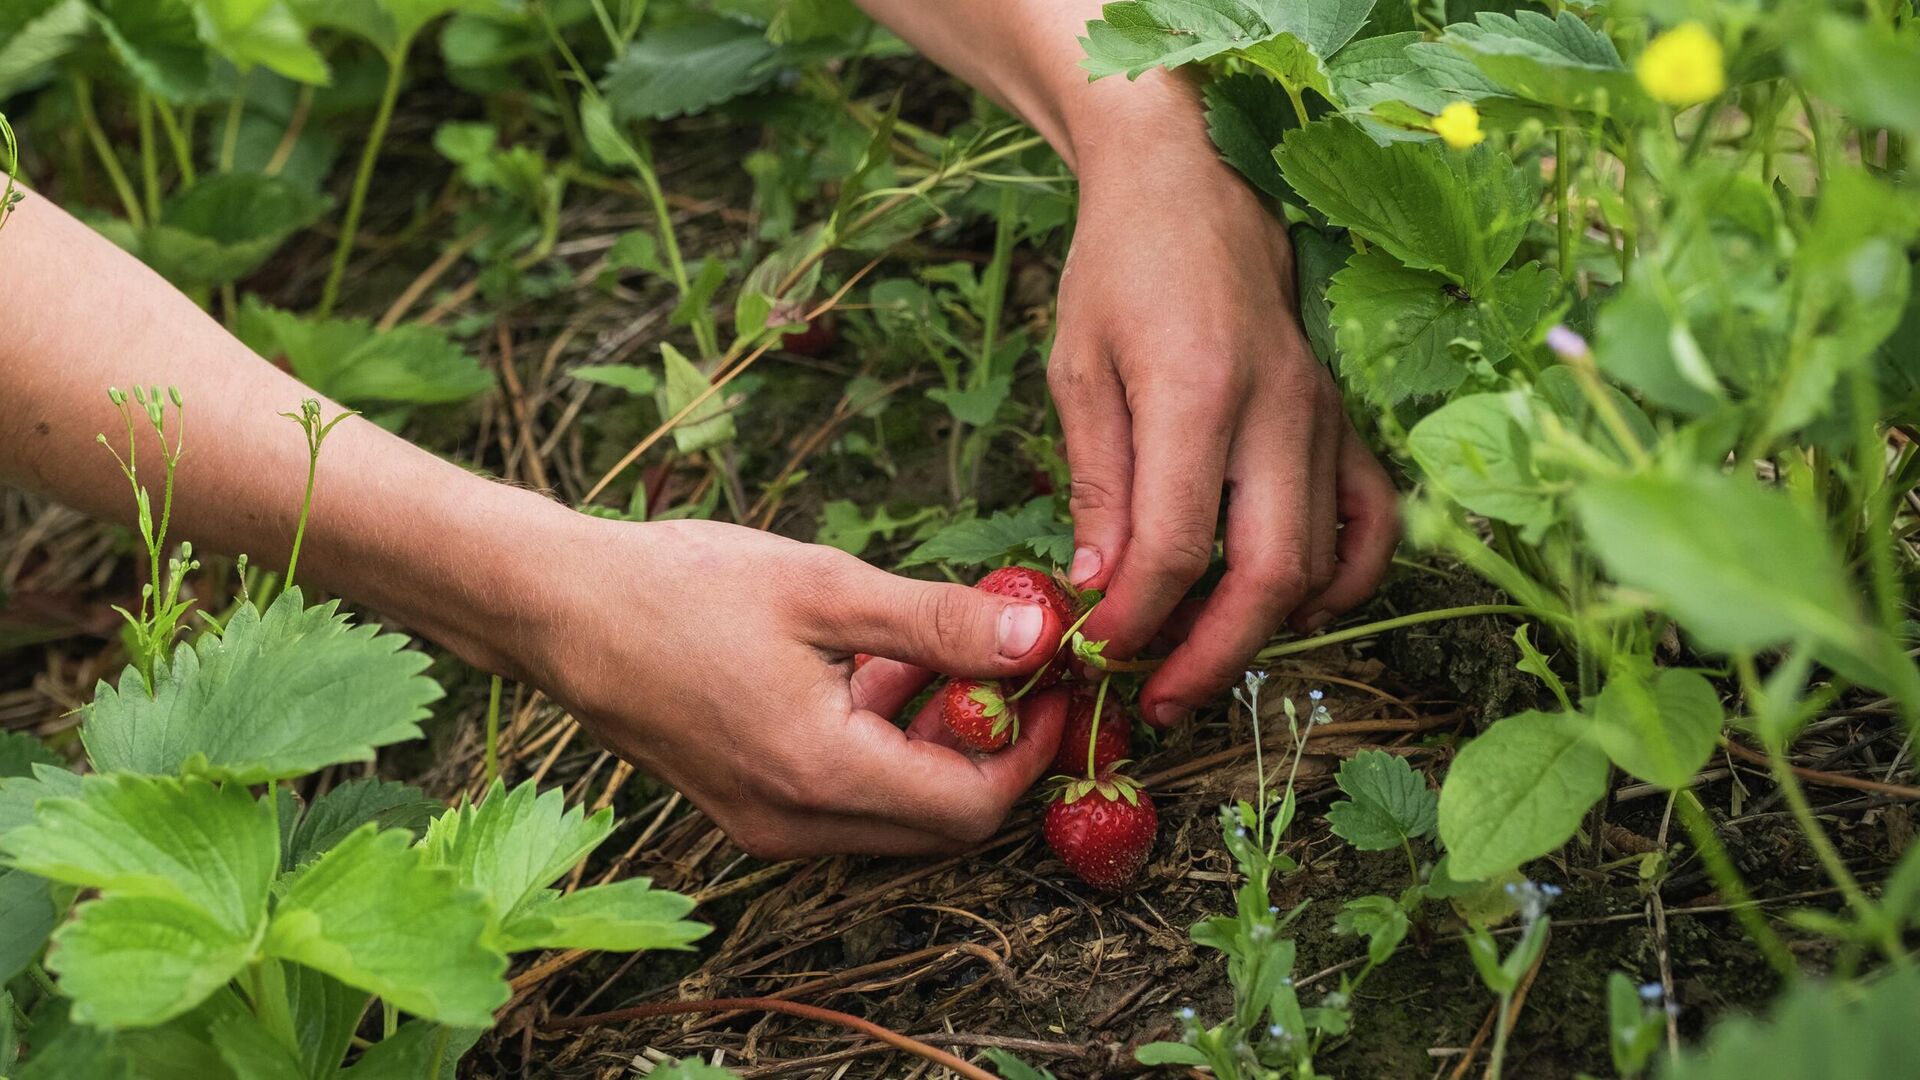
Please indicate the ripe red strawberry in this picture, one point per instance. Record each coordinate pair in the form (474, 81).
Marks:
(1103, 830)
(978, 713)
(1034, 587)
(818, 337)
(1114, 742)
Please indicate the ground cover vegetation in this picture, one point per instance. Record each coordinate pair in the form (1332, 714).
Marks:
(1615, 778)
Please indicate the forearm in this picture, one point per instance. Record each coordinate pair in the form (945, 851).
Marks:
(1025, 55)
(391, 525)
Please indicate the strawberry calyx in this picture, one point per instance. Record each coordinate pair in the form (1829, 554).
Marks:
(1112, 786)
(993, 705)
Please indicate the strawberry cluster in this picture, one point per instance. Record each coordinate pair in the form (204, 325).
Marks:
(1098, 820)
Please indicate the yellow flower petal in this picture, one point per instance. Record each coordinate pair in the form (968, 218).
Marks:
(1458, 125)
(1683, 66)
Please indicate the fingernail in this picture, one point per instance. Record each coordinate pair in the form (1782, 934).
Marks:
(1167, 714)
(1020, 627)
(1318, 621)
(1086, 563)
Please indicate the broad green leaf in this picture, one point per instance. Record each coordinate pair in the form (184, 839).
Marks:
(19, 795)
(625, 916)
(514, 843)
(353, 363)
(1317, 257)
(1644, 340)
(1518, 792)
(700, 292)
(325, 1014)
(977, 406)
(1868, 70)
(1855, 1029)
(27, 918)
(332, 816)
(418, 1051)
(710, 423)
(1461, 214)
(224, 226)
(263, 32)
(252, 1051)
(1387, 803)
(1661, 726)
(66, 1050)
(35, 35)
(180, 953)
(160, 45)
(182, 841)
(1562, 63)
(798, 20)
(1033, 528)
(628, 377)
(1742, 568)
(275, 696)
(688, 67)
(376, 915)
(1407, 333)
(1560, 389)
(1478, 451)
(1248, 115)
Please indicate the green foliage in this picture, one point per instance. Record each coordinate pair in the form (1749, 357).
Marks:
(220, 229)
(1818, 1029)
(1518, 791)
(1034, 531)
(275, 695)
(1387, 804)
(689, 67)
(1661, 726)
(351, 362)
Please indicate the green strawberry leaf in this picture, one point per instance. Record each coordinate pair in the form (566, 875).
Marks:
(513, 844)
(1247, 116)
(329, 819)
(28, 915)
(351, 362)
(1461, 214)
(160, 45)
(1559, 62)
(263, 32)
(251, 1050)
(1291, 39)
(1518, 792)
(1387, 803)
(34, 36)
(1406, 333)
(325, 1014)
(688, 67)
(1034, 529)
(181, 954)
(275, 696)
(624, 916)
(20, 752)
(224, 226)
(376, 914)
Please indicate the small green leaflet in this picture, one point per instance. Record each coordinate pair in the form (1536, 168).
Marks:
(1562, 63)
(276, 696)
(709, 424)
(375, 914)
(1478, 451)
(1290, 39)
(845, 526)
(1660, 725)
(1460, 214)
(513, 844)
(332, 816)
(1033, 529)
(263, 32)
(160, 45)
(34, 36)
(1247, 116)
(27, 918)
(350, 361)
(220, 228)
(20, 752)
(1387, 803)
(629, 377)
(1378, 919)
(688, 67)
(1518, 791)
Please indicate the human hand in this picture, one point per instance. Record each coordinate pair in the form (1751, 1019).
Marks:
(1179, 370)
(720, 659)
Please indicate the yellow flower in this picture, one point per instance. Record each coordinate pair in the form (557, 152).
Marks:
(1459, 125)
(1683, 66)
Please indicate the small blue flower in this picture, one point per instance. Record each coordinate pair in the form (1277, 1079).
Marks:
(1651, 992)
(1316, 695)
(1186, 1012)
(1273, 909)
(1286, 980)
(1275, 1031)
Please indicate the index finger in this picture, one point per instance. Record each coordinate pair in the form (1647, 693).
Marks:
(1180, 452)
(925, 785)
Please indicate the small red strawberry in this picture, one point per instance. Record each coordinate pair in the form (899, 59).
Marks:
(1022, 583)
(1114, 742)
(978, 713)
(1102, 829)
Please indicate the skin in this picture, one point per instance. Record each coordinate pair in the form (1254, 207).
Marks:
(1177, 371)
(1182, 379)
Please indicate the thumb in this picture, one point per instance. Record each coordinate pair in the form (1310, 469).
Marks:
(947, 628)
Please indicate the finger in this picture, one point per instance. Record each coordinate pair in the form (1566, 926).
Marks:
(1369, 508)
(921, 784)
(1180, 452)
(928, 725)
(1099, 434)
(885, 686)
(1270, 543)
(953, 629)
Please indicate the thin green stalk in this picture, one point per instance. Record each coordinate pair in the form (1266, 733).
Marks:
(103, 149)
(1630, 224)
(493, 731)
(177, 139)
(1093, 729)
(300, 529)
(1501, 1029)
(1876, 498)
(1727, 879)
(230, 135)
(1829, 856)
(1562, 202)
(1353, 633)
(149, 158)
(363, 177)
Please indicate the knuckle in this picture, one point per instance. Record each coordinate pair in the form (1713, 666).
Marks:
(1093, 494)
(790, 786)
(947, 614)
(1182, 550)
(1068, 380)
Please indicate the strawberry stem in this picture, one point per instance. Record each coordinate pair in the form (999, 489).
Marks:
(1093, 729)
(792, 1008)
(1064, 638)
